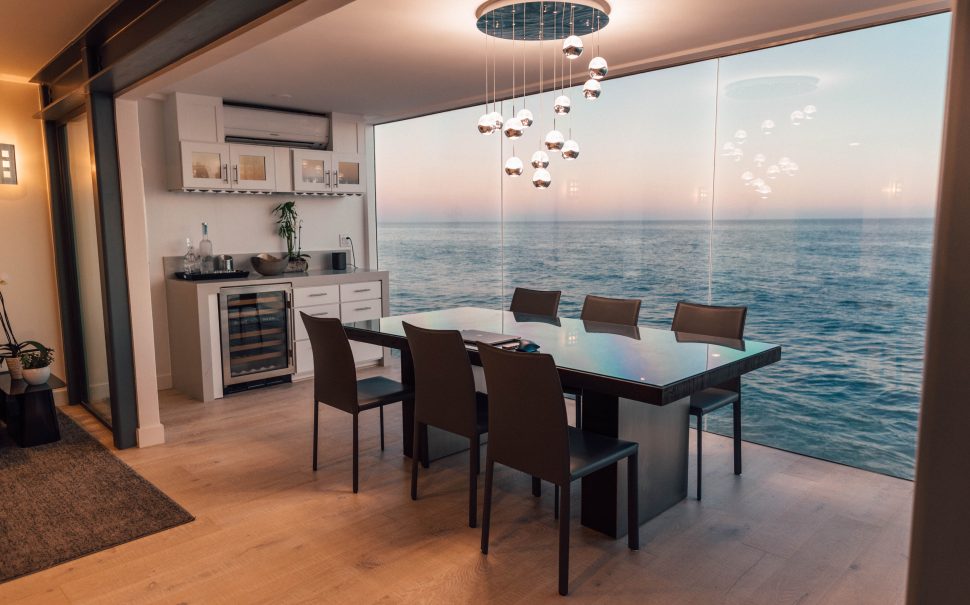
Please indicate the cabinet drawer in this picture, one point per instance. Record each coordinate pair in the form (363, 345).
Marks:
(332, 310)
(304, 358)
(315, 295)
(362, 291)
(360, 310)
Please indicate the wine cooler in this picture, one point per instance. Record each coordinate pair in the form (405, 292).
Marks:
(257, 333)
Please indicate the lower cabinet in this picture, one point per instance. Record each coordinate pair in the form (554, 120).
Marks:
(350, 308)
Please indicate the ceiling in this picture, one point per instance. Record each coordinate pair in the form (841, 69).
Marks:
(390, 60)
(30, 40)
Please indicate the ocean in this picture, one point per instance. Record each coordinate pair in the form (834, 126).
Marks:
(846, 299)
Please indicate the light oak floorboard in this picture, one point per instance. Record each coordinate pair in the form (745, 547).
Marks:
(269, 530)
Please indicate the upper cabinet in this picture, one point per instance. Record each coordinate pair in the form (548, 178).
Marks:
(200, 158)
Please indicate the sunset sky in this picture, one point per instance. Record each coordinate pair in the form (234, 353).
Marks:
(648, 144)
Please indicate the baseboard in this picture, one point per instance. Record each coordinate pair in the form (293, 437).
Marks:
(60, 397)
(164, 381)
(148, 436)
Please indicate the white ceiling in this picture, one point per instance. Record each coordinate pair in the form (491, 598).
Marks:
(34, 32)
(388, 60)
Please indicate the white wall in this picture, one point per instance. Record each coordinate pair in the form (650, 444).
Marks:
(26, 244)
(237, 223)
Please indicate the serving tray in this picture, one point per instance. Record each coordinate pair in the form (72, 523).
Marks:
(238, 274)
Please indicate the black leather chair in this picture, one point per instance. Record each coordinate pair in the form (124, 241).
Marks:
(445, 397)
(335, 381)
(535, 302)
(719, 322)
(527, 431)
(600, 309)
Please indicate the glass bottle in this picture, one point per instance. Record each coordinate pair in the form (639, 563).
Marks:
(205, 250)
(190, 262)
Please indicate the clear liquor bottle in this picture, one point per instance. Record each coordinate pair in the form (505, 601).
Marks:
(190, 262)
(205, 250)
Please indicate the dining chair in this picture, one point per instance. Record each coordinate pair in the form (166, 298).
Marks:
(535, 302)
(720, 322)
(335, 381)
(618, 311)
(527, 431)
(445, 397)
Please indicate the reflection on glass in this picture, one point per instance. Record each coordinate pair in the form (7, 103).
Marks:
(348, 173)
(84, 215)
(206, 165)
(311, 171)
(252, 168)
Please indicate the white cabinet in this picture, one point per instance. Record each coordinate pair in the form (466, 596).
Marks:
(347, 177)
(224, 166)
(347, 302)
(195, 118)
(253, 167)
(316, 171)
(203, 165)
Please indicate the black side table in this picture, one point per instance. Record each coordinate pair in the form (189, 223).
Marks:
(29, 410)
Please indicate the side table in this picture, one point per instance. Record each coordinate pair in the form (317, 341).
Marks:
(29, 410)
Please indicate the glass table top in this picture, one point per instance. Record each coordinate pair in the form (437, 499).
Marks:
(645, 355)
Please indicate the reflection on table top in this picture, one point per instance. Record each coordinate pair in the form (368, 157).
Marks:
(648, 356)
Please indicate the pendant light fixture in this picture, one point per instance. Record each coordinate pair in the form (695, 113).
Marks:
(524, 24)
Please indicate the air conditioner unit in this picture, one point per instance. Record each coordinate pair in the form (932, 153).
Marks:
(267, 126)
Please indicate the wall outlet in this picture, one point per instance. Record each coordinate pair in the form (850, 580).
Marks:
(343, 241)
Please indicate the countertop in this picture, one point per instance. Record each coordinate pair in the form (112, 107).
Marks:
(313, 277)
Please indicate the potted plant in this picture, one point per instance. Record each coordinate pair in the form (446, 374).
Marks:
(290, 228)
(37, 365)
(10, 352)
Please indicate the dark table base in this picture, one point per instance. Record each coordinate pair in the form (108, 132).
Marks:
(29, 411)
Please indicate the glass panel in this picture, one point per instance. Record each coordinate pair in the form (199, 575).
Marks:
(827, 237)
(252, 168)
(84, 214)
(439, 237)
(311, 171)
(348, 173)
(258, 330)
(206, 165)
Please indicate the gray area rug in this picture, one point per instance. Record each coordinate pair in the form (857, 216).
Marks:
(68, 499)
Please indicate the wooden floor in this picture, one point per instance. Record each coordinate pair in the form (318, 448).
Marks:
(269, 530)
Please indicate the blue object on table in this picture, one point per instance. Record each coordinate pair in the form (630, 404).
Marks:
(527, 346)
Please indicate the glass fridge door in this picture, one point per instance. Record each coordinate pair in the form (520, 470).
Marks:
(256, 333)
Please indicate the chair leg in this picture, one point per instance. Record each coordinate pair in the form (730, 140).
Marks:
(356, 448)
(473, 482)
(415, 449)
(564, 540)
(555, 502)
(579, 410)
(700, 434)
(382, 428)
(425, 457)
(316, 431)
(737, 436)
(487, 504)
(536, 487)
(632, 503)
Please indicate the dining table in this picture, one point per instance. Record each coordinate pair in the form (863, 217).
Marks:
(636, 384)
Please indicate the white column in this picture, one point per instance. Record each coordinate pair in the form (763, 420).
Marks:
(939, 567)
(150, 430)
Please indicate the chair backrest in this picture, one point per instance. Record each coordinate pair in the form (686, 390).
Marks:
(535, 302)
(526, 413)
(624, 311)
(334, 374)
(709, 320)
(444, 386)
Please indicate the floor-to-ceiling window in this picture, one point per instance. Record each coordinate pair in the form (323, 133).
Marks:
(799, 181)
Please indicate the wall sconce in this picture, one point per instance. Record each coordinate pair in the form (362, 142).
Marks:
(8, 164)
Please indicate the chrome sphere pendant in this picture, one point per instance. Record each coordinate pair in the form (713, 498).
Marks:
(541, 179)
(513, 128)
(540, 159)
(570, 150)
(572, 47)
(592, 89)
(554, 140)
(497, 120)
(562, 105)
(513, 166)
(525, 116)
(598, 68)
(485, 125)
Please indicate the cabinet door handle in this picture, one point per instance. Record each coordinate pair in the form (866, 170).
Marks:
(318, 294)
(363, 308)
(336, 179)
(327, 173)
(235, 174)
(225, 173)
(361, 290)
(320, 314)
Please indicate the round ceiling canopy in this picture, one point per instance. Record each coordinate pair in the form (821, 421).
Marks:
(542, 20)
